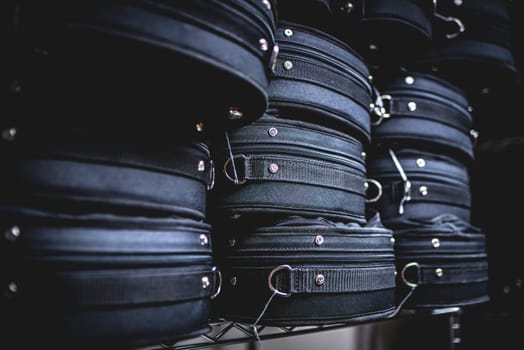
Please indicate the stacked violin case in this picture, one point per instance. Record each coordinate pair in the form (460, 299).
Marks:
(291, 234)
(106, 164)
(422, 155)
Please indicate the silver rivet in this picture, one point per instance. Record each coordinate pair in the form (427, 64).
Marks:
(409, 80)
(12, 288)
(232, 242)
(412, 106)
(395, 272)
(370, 78)
(435, 242)
(470, 109)
(366, 185)
(201, 166)
(319, 240)
(12, 233)
(288, 32)
(233, 281)
(203, 239)
(423, 190)
(288, 65)
(205, 282)
(347, 7)
(272, 132)
(457, 2)
(320, 279)
(235, 113)
(263, 44)
(9, 134)
(484, 91)
(392, 239)
(373, 47)
(273, 168)
(363, 155)
(439, 272)
(267, 4)
(15, 86)
(421, 163)
(199, 127)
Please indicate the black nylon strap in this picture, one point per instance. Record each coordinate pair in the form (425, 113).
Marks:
(434, 193)
(428, 273)
(302, 170)
(314, 73)
(97, 288)
(335, 280)
(429, 110)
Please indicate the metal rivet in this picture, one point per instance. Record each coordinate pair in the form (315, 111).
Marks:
(272, 132)
(347, 7)
(12, 233)
(439, 272)
(409, 80)
(232, 242)
(363, 155)
(366, 185)
(435, 242)
(203, 239)
(457, 2)
(421, 163)
(9, 134)
(319, 240)
(373, 47)
(392, 239)
(470, 109)
(370, 78)
(412, 106)
(423, 190)
(484, 91)
(16, 87)
(288, 32)
(395, 272)
(273, 168)
(12, 288)
(205, 282)
(267, 4)
(199, 127)
(233, 281)
(320, 279)
(235, 113)
(263, 44)
(288, 65)
(201, 166)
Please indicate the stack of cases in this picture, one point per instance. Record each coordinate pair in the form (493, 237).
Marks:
(423, 150)
(293, 241)
(102, 202)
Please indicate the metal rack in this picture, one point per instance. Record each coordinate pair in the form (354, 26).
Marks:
(225, 332)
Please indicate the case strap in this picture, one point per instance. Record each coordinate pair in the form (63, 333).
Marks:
(423, 191)
(436, 274)
(333, 280)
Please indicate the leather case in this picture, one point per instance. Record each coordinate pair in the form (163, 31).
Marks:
(419, 184)
(321, 80)
(100, 280)
(426, 111)
(289, 167)
(321, 272)
(444, 259)
(144, 64)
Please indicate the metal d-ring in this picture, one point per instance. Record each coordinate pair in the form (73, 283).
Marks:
(270, 283)
(217, 271)
(460, 26)
(235, 179)
(379, 188)
(403, 274)
(384, 112)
